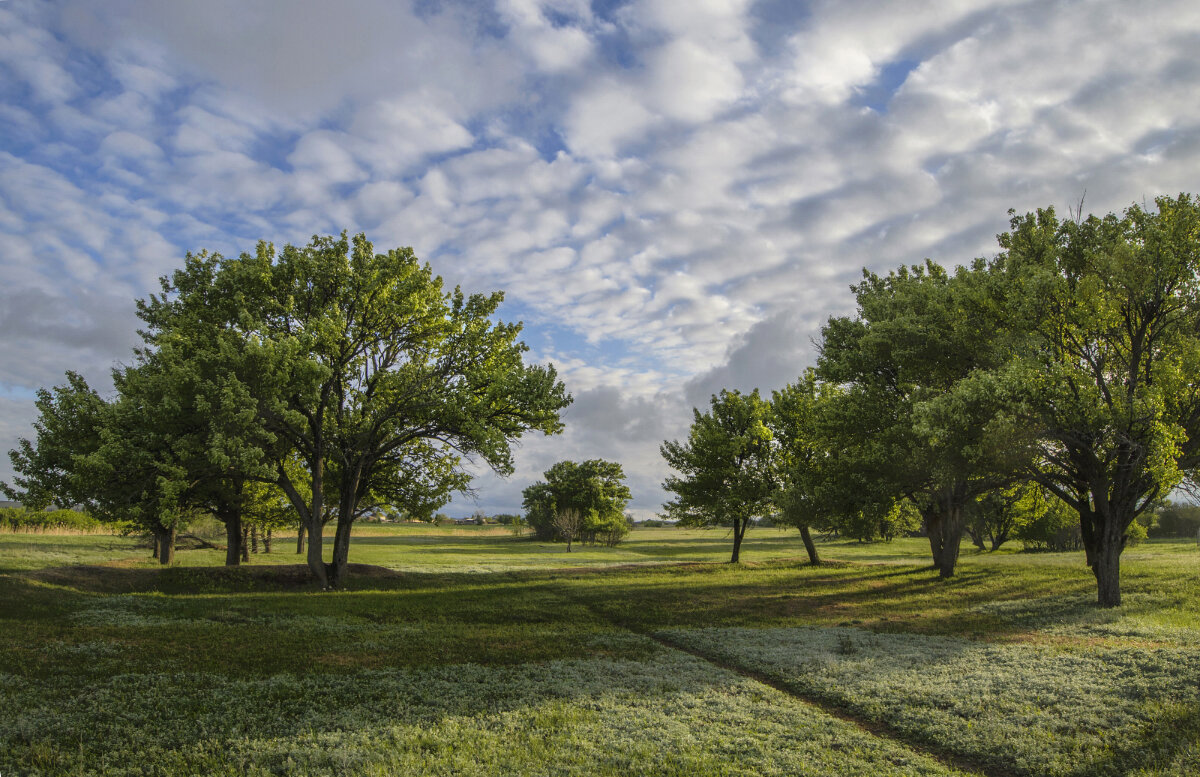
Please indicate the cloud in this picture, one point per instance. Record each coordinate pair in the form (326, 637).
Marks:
(773, 353)
(674, 193)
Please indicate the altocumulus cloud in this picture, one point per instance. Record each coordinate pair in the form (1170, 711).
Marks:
(674, 194)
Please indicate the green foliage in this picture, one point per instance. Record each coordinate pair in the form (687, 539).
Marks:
(1049, 524)
(726, 466)
(378, 380)
(68, 429)
(594, 489)
(901, 426)
(997, 515)
(23, 519)
(1176, 521)
(1105, 376)
(801, 458)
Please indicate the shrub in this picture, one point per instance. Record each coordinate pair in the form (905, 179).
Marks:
(23, 519)
(609, 530)
(1135, 534)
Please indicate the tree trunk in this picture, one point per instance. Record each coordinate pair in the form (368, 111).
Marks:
(233, 538)
(933, 528)
(341, 549)
(267, 541)
(1103, 532)
(951, 531)
(739, 531)
(164, 542)
(945, 525)
(347, 508)
(809, 546)
(312, 519)
(253, 538)
(316, 564)
(1108, 576)
(300, 540)
(568, 543)
(245, 543)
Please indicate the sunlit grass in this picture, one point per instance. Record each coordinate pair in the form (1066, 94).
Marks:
(463, 650)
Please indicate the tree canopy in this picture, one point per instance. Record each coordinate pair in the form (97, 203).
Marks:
(725, 465)
(356, 365)
(900, 429)
(593, 491)
(1108, 378)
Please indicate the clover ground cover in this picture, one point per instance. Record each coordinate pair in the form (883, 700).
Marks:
(135, 670)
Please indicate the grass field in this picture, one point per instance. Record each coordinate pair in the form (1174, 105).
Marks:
(467, 651)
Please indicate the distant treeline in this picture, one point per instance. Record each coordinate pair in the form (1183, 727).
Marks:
(1176, 521)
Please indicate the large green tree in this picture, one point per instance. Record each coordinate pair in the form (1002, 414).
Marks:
(726, 476)
(379, 380)
(899, 428)
(1108, 379)
(594, 491)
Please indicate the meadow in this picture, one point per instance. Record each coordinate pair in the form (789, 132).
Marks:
(465, 650)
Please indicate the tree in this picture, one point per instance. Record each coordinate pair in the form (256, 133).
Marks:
(379, 380)
(67, 428)
(725, 465)
(899, 429)
(1107, 378)
(198, 424)
(798, 455)
(108, 455)
(595, 489)
(568, 524)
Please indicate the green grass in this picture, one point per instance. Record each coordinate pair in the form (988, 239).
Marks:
(465, 651)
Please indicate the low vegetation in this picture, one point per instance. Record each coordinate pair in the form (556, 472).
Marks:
(464, 650)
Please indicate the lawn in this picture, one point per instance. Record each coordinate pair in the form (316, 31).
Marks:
(467, 651)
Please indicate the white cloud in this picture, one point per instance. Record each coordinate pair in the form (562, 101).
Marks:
(667, 181)
(604, 116)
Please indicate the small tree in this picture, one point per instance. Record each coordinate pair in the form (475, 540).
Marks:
(725, 465)
(568, 523)
(797, 457)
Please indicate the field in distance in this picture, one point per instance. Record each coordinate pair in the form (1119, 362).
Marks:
(463, 650)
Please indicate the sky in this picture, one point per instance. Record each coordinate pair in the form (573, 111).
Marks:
(674, 195)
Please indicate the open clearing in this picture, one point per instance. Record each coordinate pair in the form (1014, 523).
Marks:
(467, 651)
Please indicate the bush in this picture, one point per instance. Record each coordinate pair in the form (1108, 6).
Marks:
(1135, 534)
(22, 519)
(608, 530)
